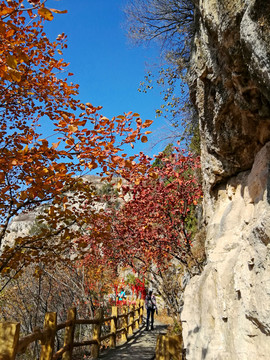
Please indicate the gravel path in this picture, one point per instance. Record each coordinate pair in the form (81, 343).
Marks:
(141, 346)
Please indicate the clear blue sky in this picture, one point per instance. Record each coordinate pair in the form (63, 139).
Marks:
(105, 65)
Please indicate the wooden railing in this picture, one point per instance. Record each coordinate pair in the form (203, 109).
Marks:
(11, 344)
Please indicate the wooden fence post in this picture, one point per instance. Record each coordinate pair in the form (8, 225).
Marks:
(161, 348)
(136, 315)
(169, 346)
(47, 347)
(131, 320)
(69, 334)
(97, 333)
(125, 323)
(113, 327)
(9, 338)
(141, 311)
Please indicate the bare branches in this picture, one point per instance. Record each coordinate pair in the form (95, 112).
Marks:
(169, 21)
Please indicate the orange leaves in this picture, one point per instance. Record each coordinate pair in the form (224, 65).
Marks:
(144, 139)
(59, 11)
(92, 165)
(70, 141)
(2, 177)
(147, 123)
(25, 150)
(39, 171)
(4, 10)
(45, 13)
(55, 145)
(14, 75)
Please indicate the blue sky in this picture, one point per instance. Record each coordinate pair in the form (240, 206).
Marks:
(105, 65)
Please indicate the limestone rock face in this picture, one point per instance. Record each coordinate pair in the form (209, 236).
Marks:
(227, 307)
(226, 311)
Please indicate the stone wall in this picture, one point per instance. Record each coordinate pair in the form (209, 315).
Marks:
(227, 307)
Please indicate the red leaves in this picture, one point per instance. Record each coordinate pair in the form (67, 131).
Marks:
(151, 227)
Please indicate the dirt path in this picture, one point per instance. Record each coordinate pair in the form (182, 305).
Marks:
(141, 346)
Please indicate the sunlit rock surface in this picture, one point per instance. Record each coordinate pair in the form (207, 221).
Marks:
(226, 311)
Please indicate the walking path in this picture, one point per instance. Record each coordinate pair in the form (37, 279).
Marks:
(141, 346)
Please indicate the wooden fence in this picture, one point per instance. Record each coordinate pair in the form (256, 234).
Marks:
(11, 344)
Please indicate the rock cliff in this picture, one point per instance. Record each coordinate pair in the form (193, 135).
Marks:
(227, 307)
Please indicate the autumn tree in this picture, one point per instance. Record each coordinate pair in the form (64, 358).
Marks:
(153, 230)
(38, 172)
(152, 225)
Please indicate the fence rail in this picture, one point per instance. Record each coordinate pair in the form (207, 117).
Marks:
(11, 344)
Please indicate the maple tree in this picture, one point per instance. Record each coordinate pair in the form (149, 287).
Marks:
(36, 92)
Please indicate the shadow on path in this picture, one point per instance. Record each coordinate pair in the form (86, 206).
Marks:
(141, 346)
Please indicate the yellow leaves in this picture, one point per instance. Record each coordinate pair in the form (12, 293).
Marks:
(119, 184)
(92, 165)
(11, 61)
(45, 13)
(121, 117)
(25, 150)
(65, 117)
(153, 175)
(72, 128)
(58, 11)
(15, 75)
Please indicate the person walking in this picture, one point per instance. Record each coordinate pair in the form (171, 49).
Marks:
(151, 307)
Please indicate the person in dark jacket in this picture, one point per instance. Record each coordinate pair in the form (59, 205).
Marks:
(151, 307)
